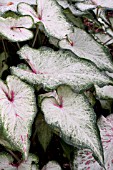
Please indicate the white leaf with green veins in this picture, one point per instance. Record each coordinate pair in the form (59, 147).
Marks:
(16, 29)
(17, 111)
(52, 68)
(74, 118)
(50, 15)
(105, 92)
(6, 5)
(84, 46)
(6, 163)
(84, 159)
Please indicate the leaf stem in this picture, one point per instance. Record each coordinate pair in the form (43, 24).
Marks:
(37, 30)
(18, 45)
(13, 155)
(4, 48)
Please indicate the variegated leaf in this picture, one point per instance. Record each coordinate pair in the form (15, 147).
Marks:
(50, 15)
(6, 163)
(52, 165)
(84, 159)
(17, 111)
(105, 92)
(16, 29)
(91, 50)
(6, 5)
(74, 119)
(52, 68)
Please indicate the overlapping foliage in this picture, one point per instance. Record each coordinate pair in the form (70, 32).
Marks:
(73, 69)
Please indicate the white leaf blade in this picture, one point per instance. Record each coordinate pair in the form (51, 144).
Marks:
(52, 15)
(52, 165)
(105, 92)
(26, 9)
(6, 5)
(91, 50)
(63, 68)
(75, 120)
(15, 119)
(15, 29)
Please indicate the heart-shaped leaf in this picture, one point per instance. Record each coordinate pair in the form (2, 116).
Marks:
(18, 108)
(105, 92)
(52, 68)
(7, 5)
(74, 118)
(14, 29)
(50, 15)
(84, 159)
(6, 163)
(91, 50)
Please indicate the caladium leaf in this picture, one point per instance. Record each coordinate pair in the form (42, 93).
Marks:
(84, 159)
(6, 163)
(74, 118)
(52, 165)
(7, 5)
(52, 68)
(50, 15)
(105, 92)
(16, 29)
(17, 121)
(91, 50)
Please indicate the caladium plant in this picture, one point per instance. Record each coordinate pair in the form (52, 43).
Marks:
(59, 55)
